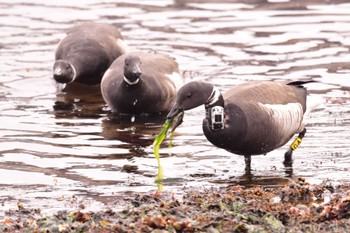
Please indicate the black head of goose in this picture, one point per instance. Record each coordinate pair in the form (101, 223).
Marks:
(140, 82)
(86, 53)
(249, 119)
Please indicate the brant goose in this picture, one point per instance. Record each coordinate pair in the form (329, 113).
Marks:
(139, 82)
(249, 119)
(86, 53)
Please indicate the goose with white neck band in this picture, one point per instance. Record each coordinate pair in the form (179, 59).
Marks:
(86, 53)
(140, 82)
(249, 119)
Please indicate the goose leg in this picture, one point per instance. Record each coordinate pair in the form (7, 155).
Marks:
(292, 147)
(248, 161)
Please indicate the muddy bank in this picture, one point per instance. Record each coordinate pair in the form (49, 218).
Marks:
(295, 207)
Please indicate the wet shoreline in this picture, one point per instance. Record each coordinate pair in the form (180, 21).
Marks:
(55, 145)
(295, 207)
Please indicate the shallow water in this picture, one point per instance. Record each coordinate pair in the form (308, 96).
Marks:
(58, 149)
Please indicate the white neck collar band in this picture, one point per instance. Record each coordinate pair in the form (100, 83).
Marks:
(74, 72)
(131, 83)
(214, 96)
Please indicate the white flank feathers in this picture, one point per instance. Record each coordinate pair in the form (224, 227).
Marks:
(289, 117)
(123, 45)
(177, 79)
(312, 102)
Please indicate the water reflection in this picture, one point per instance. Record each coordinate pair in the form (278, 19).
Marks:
(78, 100)
(137, 130)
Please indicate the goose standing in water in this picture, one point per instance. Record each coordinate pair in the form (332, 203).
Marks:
(249, 119)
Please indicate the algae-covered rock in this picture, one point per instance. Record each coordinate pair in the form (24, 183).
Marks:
(273, 223)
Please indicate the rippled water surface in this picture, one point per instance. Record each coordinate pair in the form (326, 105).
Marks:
(58, 148)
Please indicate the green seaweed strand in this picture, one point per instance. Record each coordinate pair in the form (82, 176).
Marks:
(171, 140)
(156, 146)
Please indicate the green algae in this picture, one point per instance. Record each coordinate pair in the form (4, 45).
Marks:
(156, 146)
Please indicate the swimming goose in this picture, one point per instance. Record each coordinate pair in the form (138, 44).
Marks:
(249, 119)
(140, 82)
(86, 53)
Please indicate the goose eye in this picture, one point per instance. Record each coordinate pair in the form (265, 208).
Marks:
(189, 95)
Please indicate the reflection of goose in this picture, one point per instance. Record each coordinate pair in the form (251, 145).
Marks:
(79, 100)
(86, 53)
(141, 82)
(249, 119)
(139, 131)
(81, 92)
